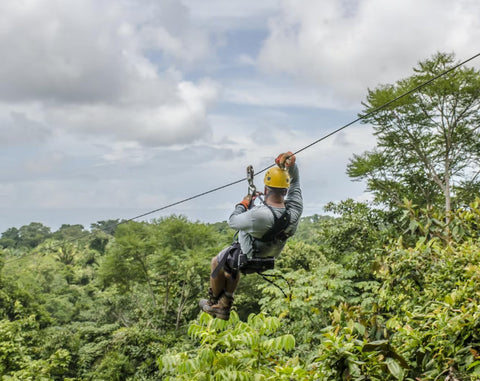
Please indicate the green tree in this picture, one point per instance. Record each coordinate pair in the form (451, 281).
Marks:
(429, 292)
(20, 346)
(108, 226)
(99, 241)
(69, 232)
(308, 228)
(159, 270)
(33, 234)
(10, 238)
(183, 263)
(66, 253)
(356, 235)
(313, 285)
(427, 141)
(127, 261)
(424, 322)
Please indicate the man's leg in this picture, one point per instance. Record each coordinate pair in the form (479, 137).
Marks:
(217, 284)
(221, 309)
(222, 287)
(231, 282)
(224, 280)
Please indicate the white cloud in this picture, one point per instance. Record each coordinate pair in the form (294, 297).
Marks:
(89, 65)
(245, 60)
(181, 119)
(121, 152)
(230, 15)
(258, 92)
(46, 163)
(167, 26)
(60, 51)
(18, 127)
(346, 48)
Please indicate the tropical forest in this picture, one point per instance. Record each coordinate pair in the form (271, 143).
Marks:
(381, 290)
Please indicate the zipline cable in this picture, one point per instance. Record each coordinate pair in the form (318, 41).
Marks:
(114, 225)
(374, 111)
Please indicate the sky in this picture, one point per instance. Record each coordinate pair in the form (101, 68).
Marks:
(110, 109)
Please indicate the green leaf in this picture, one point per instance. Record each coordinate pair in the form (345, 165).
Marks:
(360, 328)
(473, 365)
(379, 345)
(394, 368)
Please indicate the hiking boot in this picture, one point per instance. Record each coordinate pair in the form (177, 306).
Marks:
(220, 310)
(212, 299)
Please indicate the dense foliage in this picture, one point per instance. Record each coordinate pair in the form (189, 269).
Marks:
(128, 310)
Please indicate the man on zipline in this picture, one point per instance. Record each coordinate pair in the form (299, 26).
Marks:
(262, 233)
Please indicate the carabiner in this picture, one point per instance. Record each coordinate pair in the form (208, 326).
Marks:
(251, 186)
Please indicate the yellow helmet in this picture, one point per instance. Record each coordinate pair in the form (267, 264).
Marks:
(276, 177)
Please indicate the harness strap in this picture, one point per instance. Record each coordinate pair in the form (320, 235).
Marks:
(221, 265)
(224, 255)
(277, 231)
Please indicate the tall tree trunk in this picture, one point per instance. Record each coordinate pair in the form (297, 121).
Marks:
(448, 200)
(150, 288)
(448, 196)
(167, 295)
(181, 305)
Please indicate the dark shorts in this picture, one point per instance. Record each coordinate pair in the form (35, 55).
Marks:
(232, 260)
(229, 258)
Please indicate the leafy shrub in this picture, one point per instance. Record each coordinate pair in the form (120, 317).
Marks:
(234, 350)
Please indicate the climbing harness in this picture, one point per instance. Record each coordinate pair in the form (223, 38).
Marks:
(229, 259)
(233, 260)
(277, 231)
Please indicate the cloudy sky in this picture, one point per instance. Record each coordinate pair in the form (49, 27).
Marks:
(113, 108)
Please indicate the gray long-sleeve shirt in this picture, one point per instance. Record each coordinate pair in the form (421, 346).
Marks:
(255, 222)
